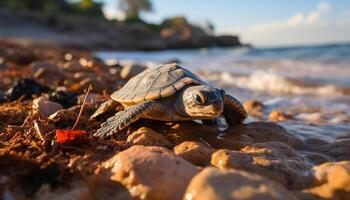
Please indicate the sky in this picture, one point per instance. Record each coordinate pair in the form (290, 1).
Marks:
(259, 22)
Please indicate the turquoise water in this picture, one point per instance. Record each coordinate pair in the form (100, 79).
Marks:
(311, 83)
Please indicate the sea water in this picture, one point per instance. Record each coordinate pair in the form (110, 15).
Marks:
(311, 83)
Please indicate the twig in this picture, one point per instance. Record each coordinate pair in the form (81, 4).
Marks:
(38, 130)
(82, 107)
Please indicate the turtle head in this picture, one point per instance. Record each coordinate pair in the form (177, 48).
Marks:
(202, 102)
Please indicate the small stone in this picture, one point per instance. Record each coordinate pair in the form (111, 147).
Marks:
(131, 70)
(27, 88)
(65, 115)
(151, 172)
(66, 99)
(45, 107)
(147, 137)
(333, 180)
(254, 108)
(279, 116)
(2, 97)
(194, 152)
(212, 183)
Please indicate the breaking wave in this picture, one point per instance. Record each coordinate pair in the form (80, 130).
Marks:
(273, 83)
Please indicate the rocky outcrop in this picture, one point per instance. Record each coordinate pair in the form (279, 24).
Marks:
(97, 33)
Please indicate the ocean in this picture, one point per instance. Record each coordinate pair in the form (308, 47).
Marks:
(309, 83)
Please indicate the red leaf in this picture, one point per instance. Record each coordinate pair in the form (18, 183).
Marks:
(63, 136)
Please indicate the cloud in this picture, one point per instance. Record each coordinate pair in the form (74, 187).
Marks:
(111, 12)
(316, 26)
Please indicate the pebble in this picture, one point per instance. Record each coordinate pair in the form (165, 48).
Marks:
(66, 99)
(27, 88)
(212, 183)
(45, 107)
(151, 172)
(254, 108)
(147, 137)
(194, 152)
(279, 116)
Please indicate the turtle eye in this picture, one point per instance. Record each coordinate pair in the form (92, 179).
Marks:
(199, 99)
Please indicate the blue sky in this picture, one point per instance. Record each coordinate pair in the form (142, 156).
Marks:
(260, 22)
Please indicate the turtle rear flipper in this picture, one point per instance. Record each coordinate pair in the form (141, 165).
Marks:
(234, 111)
(107, 106)
(125, 117)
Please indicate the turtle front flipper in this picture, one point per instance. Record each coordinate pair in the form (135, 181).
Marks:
(125, 117)
(234, 111)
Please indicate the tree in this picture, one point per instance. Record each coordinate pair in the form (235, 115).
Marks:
(133, 8)
(209, 26)
(89, 8)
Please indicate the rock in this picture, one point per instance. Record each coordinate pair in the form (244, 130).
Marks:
(260, 132)
(333, 181)
(98, 85)
(27, 88)
(316, 158)
(279, 116)
(212, 183)
(2, 96)
(131, 70)
(194, 152)
(147, 137)
(178, 33)
(151, 172)
(66, 99)
(45, 107)
(235, 137)
(78, 192)
(49, 76)
(274, 160)
(254, 108)
(338, 150)
(65, 115)
(227, 41)
(103, 188)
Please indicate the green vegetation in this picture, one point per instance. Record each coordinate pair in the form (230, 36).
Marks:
(175, 21)
(82, 7)
(133, 8)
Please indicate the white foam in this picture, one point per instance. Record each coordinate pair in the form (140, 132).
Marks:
(271, 82)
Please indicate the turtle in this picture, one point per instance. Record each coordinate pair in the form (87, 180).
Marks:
(168, 93)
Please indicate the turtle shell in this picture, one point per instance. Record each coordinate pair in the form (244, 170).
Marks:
(155, 83)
